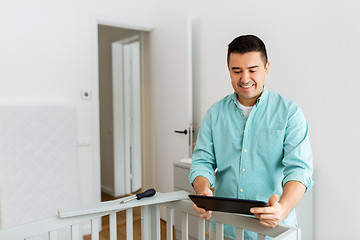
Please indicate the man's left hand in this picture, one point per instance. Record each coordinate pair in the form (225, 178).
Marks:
(272, 215)
(276, 212)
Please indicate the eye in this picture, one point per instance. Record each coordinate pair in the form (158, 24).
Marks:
(252, 71)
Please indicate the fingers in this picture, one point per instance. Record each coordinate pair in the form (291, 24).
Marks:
(268, 224)
(270, 216)
(207, 215)
(268, 220)
(202, 212)
(272, 203)
(198, 210)
(263, 210)
(207, 192)
(273, 200)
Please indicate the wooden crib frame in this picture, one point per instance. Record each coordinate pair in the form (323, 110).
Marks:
(150, 221)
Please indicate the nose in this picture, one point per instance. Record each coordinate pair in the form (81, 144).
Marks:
(245, 77)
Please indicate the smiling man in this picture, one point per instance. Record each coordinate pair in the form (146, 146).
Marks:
(257, 140)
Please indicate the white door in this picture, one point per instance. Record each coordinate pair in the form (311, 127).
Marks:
(126, 115)
(171, 76)
(132, 114)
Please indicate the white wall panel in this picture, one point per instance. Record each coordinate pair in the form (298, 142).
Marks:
(49, 55)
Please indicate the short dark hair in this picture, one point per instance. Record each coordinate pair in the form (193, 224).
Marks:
(245, 44)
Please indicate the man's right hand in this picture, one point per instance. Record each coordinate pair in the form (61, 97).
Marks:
(202, 187)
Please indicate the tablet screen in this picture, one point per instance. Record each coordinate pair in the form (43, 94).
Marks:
(222, 204)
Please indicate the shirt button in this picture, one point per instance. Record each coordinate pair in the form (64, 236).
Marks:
(243, 169)
(241, 190)
(242, 114)
(245, 150)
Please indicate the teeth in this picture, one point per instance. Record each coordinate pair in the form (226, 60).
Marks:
(249, 86)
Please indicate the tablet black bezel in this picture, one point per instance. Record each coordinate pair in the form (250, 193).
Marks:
(224, 204)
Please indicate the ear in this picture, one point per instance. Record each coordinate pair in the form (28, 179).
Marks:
(267, 66)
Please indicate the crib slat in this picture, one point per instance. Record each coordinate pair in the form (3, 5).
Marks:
(94, 229)
(239, 234)
(145, 223)
(53, 235)
(261, 237)
(201, 228)
(169, 223)
(129, 224)
(112, 226)
(155, 222)
(75, 232)
(219, 231)
(298, 237)
(184, 226)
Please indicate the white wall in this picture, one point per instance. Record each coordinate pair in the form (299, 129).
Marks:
(314, 52)
(47, 54)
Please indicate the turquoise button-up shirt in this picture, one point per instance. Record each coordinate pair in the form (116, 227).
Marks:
(254, 158)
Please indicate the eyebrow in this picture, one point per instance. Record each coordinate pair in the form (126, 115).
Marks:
(252, 67)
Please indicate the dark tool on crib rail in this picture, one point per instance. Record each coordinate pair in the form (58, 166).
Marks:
(148, 193)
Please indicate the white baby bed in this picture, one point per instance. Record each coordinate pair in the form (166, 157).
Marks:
(150, 221)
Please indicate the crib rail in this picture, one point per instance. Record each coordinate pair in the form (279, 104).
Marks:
(150, 221)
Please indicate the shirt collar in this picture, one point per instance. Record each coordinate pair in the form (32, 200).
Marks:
(262, 98)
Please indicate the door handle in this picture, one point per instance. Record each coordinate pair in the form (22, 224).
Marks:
(184, 132)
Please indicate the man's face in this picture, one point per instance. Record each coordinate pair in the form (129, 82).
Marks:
(247, 73)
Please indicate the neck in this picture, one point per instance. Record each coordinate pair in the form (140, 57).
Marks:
(247, 102)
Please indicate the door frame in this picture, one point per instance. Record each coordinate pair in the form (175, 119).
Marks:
(99, 19)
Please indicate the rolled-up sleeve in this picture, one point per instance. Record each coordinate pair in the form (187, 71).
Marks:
(203, 159)
(297, 161)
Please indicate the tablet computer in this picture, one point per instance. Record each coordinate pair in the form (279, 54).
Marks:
(223, 204)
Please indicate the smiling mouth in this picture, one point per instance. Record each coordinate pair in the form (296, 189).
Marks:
(246, 86)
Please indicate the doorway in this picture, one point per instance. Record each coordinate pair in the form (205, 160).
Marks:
(120, 110)
(162, 112)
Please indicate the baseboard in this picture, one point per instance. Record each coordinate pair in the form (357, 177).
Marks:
(107, 190)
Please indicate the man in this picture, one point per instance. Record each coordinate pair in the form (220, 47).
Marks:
(256, 139)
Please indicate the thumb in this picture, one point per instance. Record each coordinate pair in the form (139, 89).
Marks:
(273, 200)
(207, 192)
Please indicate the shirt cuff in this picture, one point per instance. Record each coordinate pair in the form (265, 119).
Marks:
(208, 175)
(299, 176)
